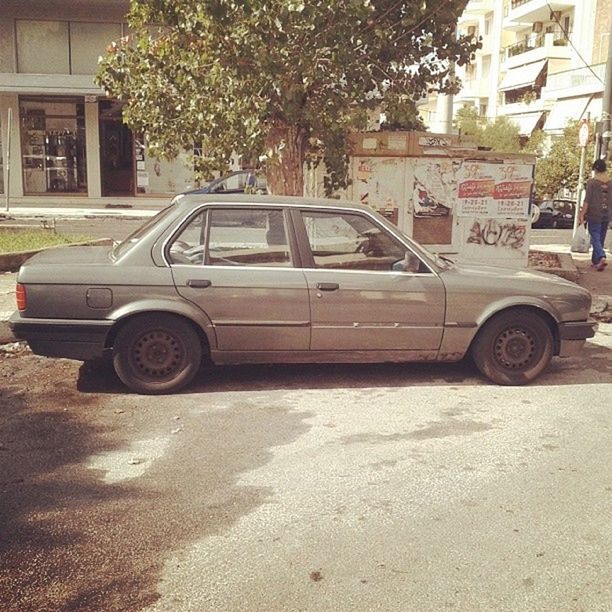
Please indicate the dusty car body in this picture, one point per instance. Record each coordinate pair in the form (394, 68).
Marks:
(239, 279)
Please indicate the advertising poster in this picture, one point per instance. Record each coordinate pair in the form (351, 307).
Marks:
(475, 189)
(494, 190)
(512, 190)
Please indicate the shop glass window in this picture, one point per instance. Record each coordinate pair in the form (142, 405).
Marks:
(53, 145)
(42, 47)
(350, 241)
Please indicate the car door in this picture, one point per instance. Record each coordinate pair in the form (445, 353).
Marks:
(239, 265)
(362, 297)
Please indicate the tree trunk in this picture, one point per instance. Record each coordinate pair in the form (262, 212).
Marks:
(285, 171)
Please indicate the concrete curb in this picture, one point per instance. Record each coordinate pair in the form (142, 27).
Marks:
(567, 269)
(10, 262)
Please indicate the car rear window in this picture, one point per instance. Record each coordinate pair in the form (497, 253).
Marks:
(124, 246)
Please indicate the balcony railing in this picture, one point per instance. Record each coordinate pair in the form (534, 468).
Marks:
(559, 39)
(578, 77)
(516, 3)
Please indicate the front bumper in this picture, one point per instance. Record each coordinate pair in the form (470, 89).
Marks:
(69, 338)
(572, 336)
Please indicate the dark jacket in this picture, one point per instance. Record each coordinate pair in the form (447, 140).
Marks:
(599, 198)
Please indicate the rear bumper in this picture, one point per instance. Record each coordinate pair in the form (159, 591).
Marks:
(69, 338)
(572, 336)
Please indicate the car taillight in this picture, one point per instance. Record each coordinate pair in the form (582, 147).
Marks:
(20, 293)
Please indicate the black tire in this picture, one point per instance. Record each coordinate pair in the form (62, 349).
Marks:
(157, 353)
(514, 347)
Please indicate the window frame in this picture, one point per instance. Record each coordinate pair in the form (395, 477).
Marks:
(306, 250)
(294, 253)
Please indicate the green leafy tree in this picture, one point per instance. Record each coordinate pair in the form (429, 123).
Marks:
(277, 79)
(559, 168)
(499, 135)
(468, 122)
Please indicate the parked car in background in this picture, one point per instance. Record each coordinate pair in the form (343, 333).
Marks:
(556, 213)
(241, 181)
(262, 279)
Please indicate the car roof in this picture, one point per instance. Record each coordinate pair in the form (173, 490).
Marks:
(188, 201)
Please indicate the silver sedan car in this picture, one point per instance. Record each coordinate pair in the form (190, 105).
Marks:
(239, 279)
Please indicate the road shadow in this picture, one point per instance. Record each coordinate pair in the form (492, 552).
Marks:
(593, 365)
(69, 540)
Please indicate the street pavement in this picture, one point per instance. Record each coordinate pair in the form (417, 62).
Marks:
(349, 487)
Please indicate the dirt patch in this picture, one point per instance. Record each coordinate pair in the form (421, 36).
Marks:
(541, 259)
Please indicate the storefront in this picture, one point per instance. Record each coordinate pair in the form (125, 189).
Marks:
(79, 148)
(53, 145)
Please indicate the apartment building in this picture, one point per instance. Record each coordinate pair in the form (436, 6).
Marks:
(68, 142)
(542, 62)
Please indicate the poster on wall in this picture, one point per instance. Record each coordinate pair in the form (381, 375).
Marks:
(494, 190)
(475, 189)
(435, 182)
(512, 190)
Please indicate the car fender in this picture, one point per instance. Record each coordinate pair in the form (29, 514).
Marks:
(177, 307)
(516, 302)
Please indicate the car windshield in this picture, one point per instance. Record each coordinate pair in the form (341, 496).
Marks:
(125, 245)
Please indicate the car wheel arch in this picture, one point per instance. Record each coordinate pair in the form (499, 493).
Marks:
(201, 331)
(535, 309)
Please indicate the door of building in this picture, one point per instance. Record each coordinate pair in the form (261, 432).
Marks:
(116, 151)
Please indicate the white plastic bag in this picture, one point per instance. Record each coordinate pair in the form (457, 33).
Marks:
(581, 241)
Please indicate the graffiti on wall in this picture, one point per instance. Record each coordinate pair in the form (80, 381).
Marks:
(497, 233)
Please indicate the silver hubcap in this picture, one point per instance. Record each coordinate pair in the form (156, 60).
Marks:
(515, 348)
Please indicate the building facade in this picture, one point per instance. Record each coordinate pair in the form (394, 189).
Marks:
(541, 64)
(67, 140)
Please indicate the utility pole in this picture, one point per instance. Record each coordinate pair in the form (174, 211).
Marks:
(606, 115)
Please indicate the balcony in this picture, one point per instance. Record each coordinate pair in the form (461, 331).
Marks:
(518, 13)
(550, 45)
(475, 89)
(576, 82)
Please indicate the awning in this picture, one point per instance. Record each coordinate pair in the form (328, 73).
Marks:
(594, 108)
(523, 76)
(526, 123)
(564, 111)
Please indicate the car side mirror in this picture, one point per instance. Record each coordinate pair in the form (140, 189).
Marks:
(410, 263)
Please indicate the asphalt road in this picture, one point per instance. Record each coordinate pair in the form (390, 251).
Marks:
(387, 487)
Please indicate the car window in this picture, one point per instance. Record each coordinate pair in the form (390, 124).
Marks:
(188, 246)
(125, 245)
(236, 182)
(248, 237)
(351, 241)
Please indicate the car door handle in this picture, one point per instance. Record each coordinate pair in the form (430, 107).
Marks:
(328, 286)
(199, 283)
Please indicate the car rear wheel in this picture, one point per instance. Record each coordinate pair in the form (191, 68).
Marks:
(514, 347)
(157, 353)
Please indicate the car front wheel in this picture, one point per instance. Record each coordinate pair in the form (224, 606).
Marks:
(157, 353)
(513, 348)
